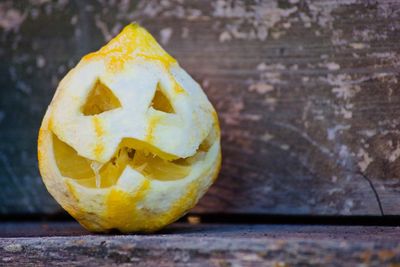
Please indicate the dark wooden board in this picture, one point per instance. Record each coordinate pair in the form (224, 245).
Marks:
(202, 245)
(307, 93)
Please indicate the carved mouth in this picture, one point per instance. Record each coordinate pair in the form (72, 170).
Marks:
(93, 174)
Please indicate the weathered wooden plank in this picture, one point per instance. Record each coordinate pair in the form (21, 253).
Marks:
(206, 245)
(307, 93)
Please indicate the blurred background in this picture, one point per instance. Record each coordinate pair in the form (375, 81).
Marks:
(307, 93)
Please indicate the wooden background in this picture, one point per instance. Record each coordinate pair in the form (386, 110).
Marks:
(307, 93)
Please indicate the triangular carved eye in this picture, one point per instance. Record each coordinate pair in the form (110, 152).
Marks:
(99, 100)
(160, 102)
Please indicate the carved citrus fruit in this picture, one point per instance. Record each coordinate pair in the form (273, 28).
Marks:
(129, 141)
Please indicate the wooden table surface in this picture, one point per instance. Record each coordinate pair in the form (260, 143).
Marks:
(67, 244)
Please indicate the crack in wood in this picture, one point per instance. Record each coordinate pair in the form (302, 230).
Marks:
(374, 191)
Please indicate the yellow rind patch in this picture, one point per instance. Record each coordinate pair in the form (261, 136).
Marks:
(176, 86)
(98, 126)
(122, 210)
(133, 41)
(178, 89)
(150, 128)
(40, 145)
(98, 150)
(126, 217)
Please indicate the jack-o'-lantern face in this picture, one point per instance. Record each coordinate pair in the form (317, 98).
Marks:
(129, 141)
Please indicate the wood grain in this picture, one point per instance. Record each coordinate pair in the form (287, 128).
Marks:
(307, 93)
(204, 245)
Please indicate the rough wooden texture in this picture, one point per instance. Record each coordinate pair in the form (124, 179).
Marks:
(307, 93)
(206, 245)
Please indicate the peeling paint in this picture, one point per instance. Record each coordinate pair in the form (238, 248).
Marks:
(348, 205)
(334, 191)
(332, 66)
(368, 132)
(232, 116)
(74, 20)
(365, 159)
(266, 137)
(344, 154)
(358, 45)
(167, 8)
(368, 35)
(261, 88)
(383, 55)
(165, 35)
(261, 16)
(284, 147)
(225, 36)
(270, 102)
(185, 33)
(271, 74)
(344, 86)
(40, 61)
(252, 117)
(331, 132)
(10, 18)
(345, 111)
(395, 154)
